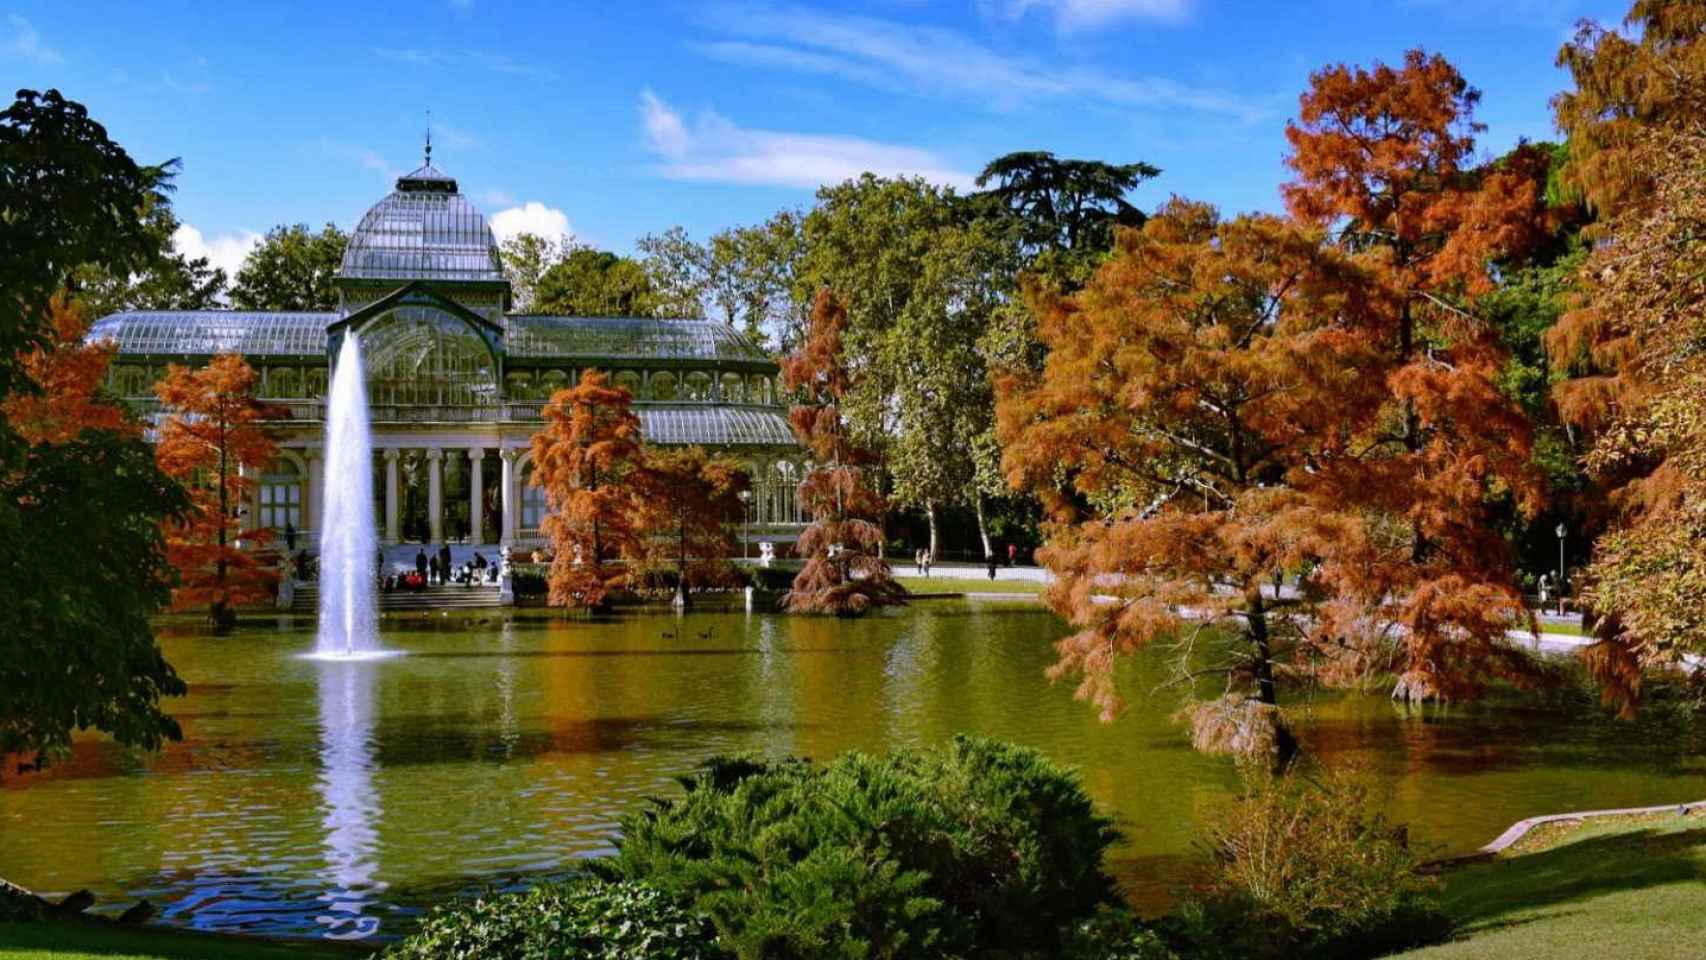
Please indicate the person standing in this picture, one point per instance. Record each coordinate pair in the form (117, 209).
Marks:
(927, 559)
(421, 562)
(432, 569)
(1012, 553)
(289, 536)
(444, 560)
(992, 566)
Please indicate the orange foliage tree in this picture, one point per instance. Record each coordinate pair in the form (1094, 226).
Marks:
(1382, 155)
(1169, 436)
(844, 573)
(589, 461)
(1630, 343)
(212, 432)
(68, 373)
(683, 512)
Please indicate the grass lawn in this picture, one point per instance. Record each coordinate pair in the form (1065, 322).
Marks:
(85, 940)
(968, 585)
(1568, 629)
(1613, 888)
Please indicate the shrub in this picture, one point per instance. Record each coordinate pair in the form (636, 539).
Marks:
(1114, 934)
(584, 919)
(1305, 866)
(528, 582)
(975, 848)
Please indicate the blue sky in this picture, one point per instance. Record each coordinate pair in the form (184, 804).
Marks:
(618, 119)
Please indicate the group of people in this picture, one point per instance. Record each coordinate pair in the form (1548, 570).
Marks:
(438, 568)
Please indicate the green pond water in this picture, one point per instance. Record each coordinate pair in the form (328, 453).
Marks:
(337, 799)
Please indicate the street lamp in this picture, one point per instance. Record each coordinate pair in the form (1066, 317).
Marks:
(1560, 532)
(745, 501)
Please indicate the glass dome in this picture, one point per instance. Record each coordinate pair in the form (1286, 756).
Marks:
(425, 230)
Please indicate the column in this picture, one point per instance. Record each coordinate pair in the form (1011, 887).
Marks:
(393, 527)
(435, 493)
(476, 494)
(510, 501)
(316, 484)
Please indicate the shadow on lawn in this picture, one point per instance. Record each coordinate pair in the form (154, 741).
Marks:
(1490, 895)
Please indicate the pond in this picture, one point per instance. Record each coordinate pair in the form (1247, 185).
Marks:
(336, 799)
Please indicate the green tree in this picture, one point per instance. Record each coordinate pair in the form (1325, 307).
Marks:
(526, 257)
(1060, 212)
(920, 285)
(168, 281)
(752, 277)
(596, 283)
(676, 267)
(292, 269)
(83, 567)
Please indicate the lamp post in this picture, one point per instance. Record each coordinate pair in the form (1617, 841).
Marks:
(1560, 532)
(745, 502)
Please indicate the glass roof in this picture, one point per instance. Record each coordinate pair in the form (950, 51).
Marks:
(582, 339)
(714, 425)
(207, 332)
(621, 337)
(425, 230)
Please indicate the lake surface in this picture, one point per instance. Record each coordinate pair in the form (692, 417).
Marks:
(336, 799)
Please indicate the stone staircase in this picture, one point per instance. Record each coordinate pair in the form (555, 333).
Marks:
(453, 597)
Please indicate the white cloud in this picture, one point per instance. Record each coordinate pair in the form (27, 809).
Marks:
(26, 44)
(716, 150)
(1072, 15)
(914, 59)
(224, 251)
(531, 217)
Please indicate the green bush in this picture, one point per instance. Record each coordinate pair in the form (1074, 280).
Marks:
(975, 848)
(1114, 934)
(584, 919)
(1304, 866)
(529, 582)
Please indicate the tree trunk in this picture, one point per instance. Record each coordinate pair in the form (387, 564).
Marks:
(935, 532)
(1285, 744)
(221, 614)
(982, 526)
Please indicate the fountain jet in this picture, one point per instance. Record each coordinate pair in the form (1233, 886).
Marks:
(349, 544)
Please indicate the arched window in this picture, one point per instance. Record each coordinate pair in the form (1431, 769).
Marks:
(760, 389)
(284, 382)
(696, 386)
(279, 496)
(518, 386)
(628, 380)
(314, 383)
(551, 381)
(734, 388)
(426, 356)
(132, 381)
(663, 385)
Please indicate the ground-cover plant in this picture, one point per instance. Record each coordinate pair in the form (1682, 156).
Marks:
(971, 849)
(1303, 865)
(583, 919)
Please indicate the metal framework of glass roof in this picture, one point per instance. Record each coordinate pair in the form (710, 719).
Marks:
(207, 332)
(714, 426)
(627, 337)
(425, 230)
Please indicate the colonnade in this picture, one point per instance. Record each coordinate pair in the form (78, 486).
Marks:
(437, 458)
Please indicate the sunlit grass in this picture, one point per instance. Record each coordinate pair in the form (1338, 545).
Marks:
(1618, 887)
(90, 940)
(968, 585)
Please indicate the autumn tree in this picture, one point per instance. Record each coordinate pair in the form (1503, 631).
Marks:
(1383, 157)
(1170, 436)
(686, 500)
(212, 440)
(587, 458)
(1630, 343)
(844, 572)
(81, 499)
